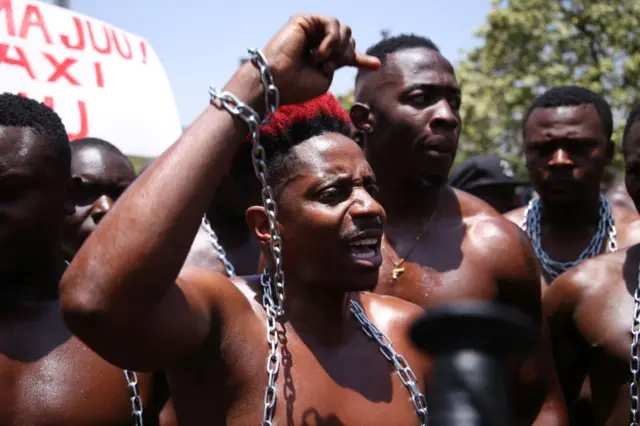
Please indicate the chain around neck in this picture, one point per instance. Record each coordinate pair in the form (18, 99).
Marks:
(219, 250)
(606, 231)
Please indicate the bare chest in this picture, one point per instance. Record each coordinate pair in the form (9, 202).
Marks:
(333, 386)
(50, 378)
(604, 317)
(434, 273)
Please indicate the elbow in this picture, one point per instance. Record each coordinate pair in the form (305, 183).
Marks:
(83, 308)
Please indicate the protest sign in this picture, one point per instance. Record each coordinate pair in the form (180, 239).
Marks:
(103, 82)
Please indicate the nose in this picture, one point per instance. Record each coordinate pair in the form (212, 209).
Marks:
(100, 208)
(444, 116)
(365, 207)
(560, 158)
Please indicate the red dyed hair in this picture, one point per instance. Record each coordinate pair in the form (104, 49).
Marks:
(287, 115)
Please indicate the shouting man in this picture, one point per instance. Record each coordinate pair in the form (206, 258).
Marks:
(128, 296)
(567, 144)
(442, 244)
(591, 310)
(49, 377)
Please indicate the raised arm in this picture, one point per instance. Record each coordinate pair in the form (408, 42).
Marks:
(121, 294)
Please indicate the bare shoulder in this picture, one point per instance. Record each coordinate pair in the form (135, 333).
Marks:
(569, 289)
(471, 205)
(627, 223)
(219, 291)
(502, 250)
(516, 215)
(389, 310)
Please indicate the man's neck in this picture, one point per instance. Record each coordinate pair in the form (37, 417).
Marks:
(320, 314)
(405, 201)
(571, 216)
(34, 283)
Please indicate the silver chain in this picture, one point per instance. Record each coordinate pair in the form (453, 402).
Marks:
(270, 283)
(136, 400)
(273, 306)
(220, 252)
(247, 114)
(606, 231)
(634, 360)
(407, 376)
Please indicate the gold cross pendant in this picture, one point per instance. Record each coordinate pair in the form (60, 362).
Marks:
(397, 271)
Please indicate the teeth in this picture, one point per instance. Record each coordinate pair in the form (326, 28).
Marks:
(365, 242)
(366, 255)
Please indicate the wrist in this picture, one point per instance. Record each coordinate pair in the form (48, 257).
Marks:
(247, 86)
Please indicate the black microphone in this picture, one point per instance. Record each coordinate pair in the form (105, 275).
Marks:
(468, 340)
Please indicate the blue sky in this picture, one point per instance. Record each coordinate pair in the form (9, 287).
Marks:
(200, 41)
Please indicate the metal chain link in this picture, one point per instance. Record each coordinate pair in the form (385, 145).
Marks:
(136, 401)
(270, 283)
(220, 251)
(273, 359)
(606, 231)
(634, 359)
(407, 376)
(239, 109)
(273, 306)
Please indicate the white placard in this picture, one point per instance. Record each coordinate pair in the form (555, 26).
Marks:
(102, 81)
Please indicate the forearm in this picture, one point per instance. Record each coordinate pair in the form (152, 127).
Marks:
(136, 253)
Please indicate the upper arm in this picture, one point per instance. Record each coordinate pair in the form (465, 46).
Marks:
(569, 347)
(515, 216)
(516, 270)
(162, 333)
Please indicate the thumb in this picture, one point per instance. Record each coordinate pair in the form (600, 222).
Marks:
(365, 61)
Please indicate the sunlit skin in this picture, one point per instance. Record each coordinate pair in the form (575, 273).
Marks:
(209, 333)
(238, 190)
(566, 153)
(48, 376)
(590, 310)
(408, 113)
(332, 188)
(99, 178)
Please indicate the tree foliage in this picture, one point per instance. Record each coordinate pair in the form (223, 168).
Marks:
(347, 99)
(528, 46)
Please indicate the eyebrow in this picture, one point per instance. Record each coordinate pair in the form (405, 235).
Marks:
(424, 86)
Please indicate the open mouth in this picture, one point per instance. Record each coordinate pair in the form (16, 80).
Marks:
(365, 248)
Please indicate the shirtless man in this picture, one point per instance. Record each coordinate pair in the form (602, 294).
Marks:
(224, 243)
(567, 144)
(442, 244)
(591, 311)
(48, 376)
(100, 173)
(128, 296)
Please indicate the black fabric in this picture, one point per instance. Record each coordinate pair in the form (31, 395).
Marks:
(483, 170)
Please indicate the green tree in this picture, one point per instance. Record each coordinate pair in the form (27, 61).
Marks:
(528, 46)
(346, 100)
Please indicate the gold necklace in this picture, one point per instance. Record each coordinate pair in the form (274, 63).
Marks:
(397, 266)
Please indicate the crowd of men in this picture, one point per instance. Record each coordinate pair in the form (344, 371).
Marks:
(155, 309)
